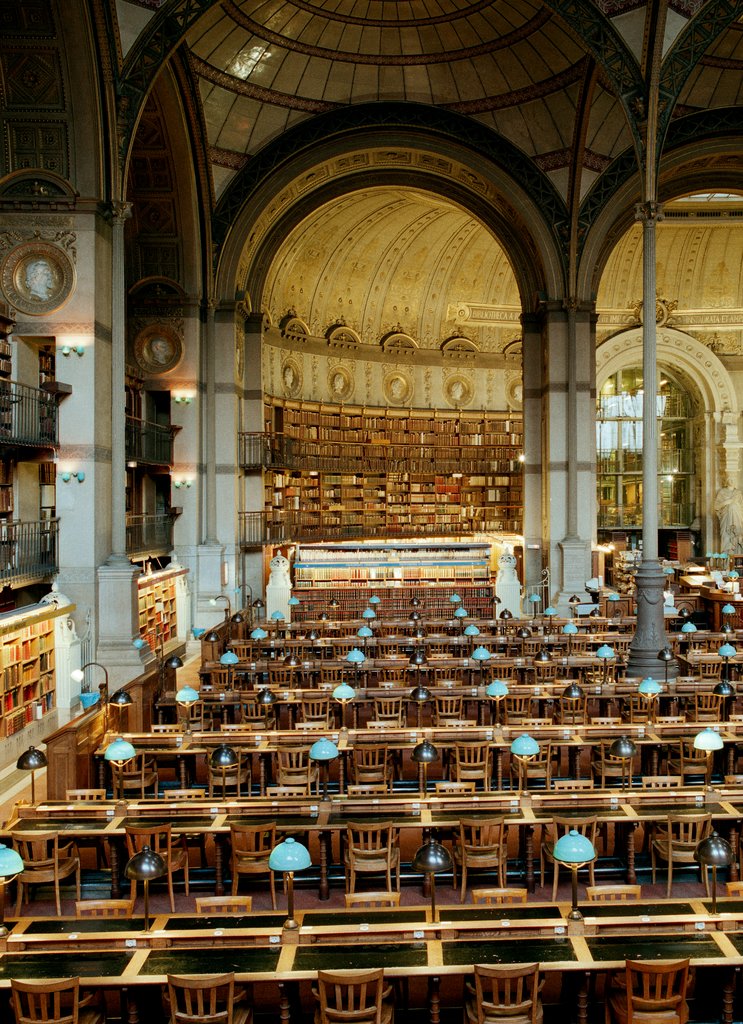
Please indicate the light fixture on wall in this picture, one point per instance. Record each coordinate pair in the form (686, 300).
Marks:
(67, 474)
(67, 350)
(182, 483)
(182, 399)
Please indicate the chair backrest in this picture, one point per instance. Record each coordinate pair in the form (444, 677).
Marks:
(350, 996)
(661, 781)
(199, 793)
(545, 671)
(472, 761)
(370, 840)
(282, 676)
(707, 707)
(235, 905)
(35, 1001)
(38, 850)
(448, 787)
(482, 833)
(710, 668)
(499, 896)
(508, 992)
(199, 999)
(447, 705)
(654, 988)
(390, 709)
(104, 908)
(316, 709)
(613, 893)
(85, 794)
(570, 785)
(252, 842)
(293, 766)
(686, 831)
(585, 825)
(372, 899)
(158, 837)
(371, 763)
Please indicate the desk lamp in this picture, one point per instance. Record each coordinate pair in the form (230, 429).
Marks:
(266, 699)
(333, 605)
(665, 654)
(417, 659)
(570, 629)
(688, 626)
(523, 633)
(481, 655)
(258, 606)
(88, 699)
(293, 601)
(10, 866)
(614, 598)
(197, 632)
(534, 601)
(574, 851)
(364, 632)
(542, 656)
(728, 610)
(708, 740)
(524, 748)
(471, 630)
(121, 700)
(724, 689)
(606, 654)
(238, 620)
(324, 751)
(650, 689)
(258, 633)
(432, 859)
(118, 752)
(714, 852)
(461, 614)
(229, 659)
(368, 613)
(278, 618)
(420, 694)
(625, 750)
(32, 760)
(573, 695)
(356, 658)
(344, 694)
(574, 601)
(726, 652)
(505, 617)
(224, 757)
(497, 691)
(455, 599)
(550, 613)
(423, 754)
(227, 605)
(291, 660)
(184, 698)
(375, 600)
(212, 637)
(145, 866)
(289, 856)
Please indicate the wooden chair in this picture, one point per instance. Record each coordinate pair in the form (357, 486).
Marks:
(160, 840)
(390, 710)
(504, 994)
(538, 768)
(371, 849)
(45, 861)
(85, 795)
(572, 785)
(193, 793)
(230, 905)
(734, 889)
(587, 826)
(707, 707)
(447, 708)
(517, 708)
(282, 677)
(254, 715)
(572, 710)
(686, 760)
(104, 908)
(294, 768)
(371, 763)
(372, 899)
(206, 999)
(274, 792)
(496, 896)
(652, 992)
(56, 1002)
(448, 787)
(675, 842)
(165, 728)
(607, 768)
(613, 893)
(316, 711)
(353, 997)
(710, 668)
(251, 847)
(636, 709)
(137, 775)
(237, 779)
(661, 781)
(472, 762)
(370, 789)
(480, 844)
(544, 672)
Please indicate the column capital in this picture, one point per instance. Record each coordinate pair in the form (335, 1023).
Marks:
(118, 211)
(650, 212)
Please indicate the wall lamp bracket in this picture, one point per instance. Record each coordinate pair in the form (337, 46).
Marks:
(67, 350)
(67, 475)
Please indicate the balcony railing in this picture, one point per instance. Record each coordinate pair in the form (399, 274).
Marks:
(149, 443)
(275, 451)
(672, 515)
(28, 551)
(28, 416)
(149, 534)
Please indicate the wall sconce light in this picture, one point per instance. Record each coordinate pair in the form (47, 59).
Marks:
(182, 483)
(183, 399)
(66, 475)
(67, 350)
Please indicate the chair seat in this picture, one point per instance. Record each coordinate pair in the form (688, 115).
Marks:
(618, 1007)
(470, 1009)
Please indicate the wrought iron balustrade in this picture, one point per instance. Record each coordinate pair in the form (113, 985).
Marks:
(28, 416)
(28, 550)
(149, 443)
(149, 534)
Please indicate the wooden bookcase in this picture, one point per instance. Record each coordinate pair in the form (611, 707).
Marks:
(158, 620)
(27, 664)
(396, 573)
(361, 471)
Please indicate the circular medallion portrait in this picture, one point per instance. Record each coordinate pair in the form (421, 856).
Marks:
(37, 278)
(291, 377)
(458, 391)
(397, 389)
(158, 348)
(340, 384)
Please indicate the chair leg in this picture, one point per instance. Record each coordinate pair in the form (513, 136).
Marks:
(171, 894)
(464, 880)
(273, 890)
(555, 879)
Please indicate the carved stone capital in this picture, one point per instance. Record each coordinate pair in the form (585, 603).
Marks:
(647, 212)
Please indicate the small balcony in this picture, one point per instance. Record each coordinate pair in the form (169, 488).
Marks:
(150, 534)
(28, 416)
(148, 443)
(28, 551)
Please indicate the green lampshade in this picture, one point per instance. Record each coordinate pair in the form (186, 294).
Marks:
(688, 627)
(186, 695)
(197, 632)
(364, 632)
(229, 658)
(223, 756)
(481, 654)
(550, 611)
(10, 862)
(708, 739)
(649, 687)
(368, 613)
(344, 692)
(323, 750)
(534, 598)
(119, 751)
(277, 615)
(471, 630)
(733, 574)
(613, 597)
(460, 613)
(355, 656)
(496, 689)
(374, 599)
(605, 652)
(289, 856)
(455, 599)
(524, 746)
(727, 651)
(139, 643)
(569, 627)
(293, 601)
(573, 848)
(728, 609)
(258, 634)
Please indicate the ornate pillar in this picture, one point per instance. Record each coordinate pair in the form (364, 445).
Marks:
(650, 633)
(532, 413)
(211, 552)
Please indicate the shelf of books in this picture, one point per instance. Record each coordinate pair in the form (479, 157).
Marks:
(28, 666)
(353, 472)
(158, 620)
(396, 573)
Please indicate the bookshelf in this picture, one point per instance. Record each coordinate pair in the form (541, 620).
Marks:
(156, 599)
(356, 472)
(396, 573)
(27, 667)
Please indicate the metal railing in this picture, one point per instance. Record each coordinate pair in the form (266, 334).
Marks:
(28, 551)
(671, 515)
(28, 416)
(149, 534)
(149, 443)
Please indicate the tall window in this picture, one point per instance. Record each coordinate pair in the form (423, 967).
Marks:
(619, 446)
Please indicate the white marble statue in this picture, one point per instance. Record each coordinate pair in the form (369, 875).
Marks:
(279, 587)
(507, 584)
(729, 508)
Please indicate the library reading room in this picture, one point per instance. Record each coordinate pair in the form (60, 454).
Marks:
(371, 511)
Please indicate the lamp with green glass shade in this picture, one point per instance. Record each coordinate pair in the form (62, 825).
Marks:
(708, 740)
(549, 613)
(570, 629)
(727, 611)
(344, 694)
(289, 856)
(118, 753)
(481, 655)
(574, 850)
(324, 751)
(606, 654)
(184, 698)
(497, 691)
(650, 689)
(524, 748)
(10, 866)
